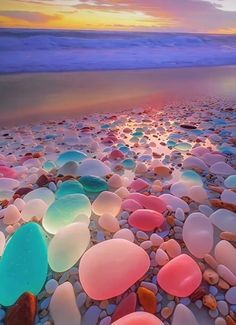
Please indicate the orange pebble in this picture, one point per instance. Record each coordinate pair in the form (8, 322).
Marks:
(147, 300)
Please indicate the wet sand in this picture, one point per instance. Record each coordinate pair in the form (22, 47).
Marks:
(42, 96)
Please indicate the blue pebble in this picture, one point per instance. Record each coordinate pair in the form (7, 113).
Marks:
(2, 314)
(45, 303)
(233, 308)
(220, 297)
(110, 309)
(185, 301)
(213, 290)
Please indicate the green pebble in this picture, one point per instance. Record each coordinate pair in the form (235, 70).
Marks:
(69, 187)
(93, 184)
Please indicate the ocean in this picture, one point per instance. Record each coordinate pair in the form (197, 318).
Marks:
(26, 50)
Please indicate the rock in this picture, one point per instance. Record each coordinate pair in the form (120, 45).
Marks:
(230, 296)
(210, 302)
(223, 205)
(162, 171)
(63, 308)
(91, 315)
(124, 234)
(115, 181)
(104, 268)
(226, 274)
(24, 311)
(180, 189)
(172, 247)
(174, 202)
(185, 281)
(198, 234)
(51, 286)
(221, 168)
(107, 202)
(67, 246)
(188, 126)
(161, 257)
(138, 318)
(210, 276)
(23, 191)
(69, 170)
(65, 211)
(93, 184)
(71, 155)
(27, 250)
(93, 167)
(145, 219)
(225, 254)
(147, 300)
(109, 223)
(69, 187)
(43, 180)
(42, 193)
(125, 307)
(183, 315)
(8, 172)
(156, 240)
(224, 220)
(139, 185)
(150, 202)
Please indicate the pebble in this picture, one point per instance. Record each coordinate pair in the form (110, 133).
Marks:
(230, 296)
(91, 316)
(51, 286)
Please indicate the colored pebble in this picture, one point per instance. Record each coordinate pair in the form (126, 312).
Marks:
(93, 167)
(109, 223)
(41, 193)
(140, 318)
(230, 296)
(71, 155)
(225, 254)
(93, 184)
(27, 249)
(107, 202)
(147, 300)
(126, 234)
(100, 273)
(125, 307)
(69, 187)
(183, 315)
(145, 219)
(224, 220)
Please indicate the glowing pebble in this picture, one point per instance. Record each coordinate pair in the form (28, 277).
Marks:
(187, 276)
(71, 155)
(11, 215)
(138, 318)
(149, 202)
(67, 246)
(180, 189)
(124, 234)
(194, 163)
(108, 222)
(41, 193)
(224, 220)
(109, 268)
(93, 167)
(93, 184)
(198, 194)
(107, 202)
(183, 315)
(69, 187)
(225, 254)
(66, 211)
(131, 205)
(34, 208)
(63, 308)
(198, 234)
(174, 202)
(145, 219)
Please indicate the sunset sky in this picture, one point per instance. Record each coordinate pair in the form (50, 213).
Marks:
(210, 16)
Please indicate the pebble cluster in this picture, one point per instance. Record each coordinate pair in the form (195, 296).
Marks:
(124, 219)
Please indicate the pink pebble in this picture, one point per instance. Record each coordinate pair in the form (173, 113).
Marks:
(7, 172)
(149, 202)
(108, 222)
(111, 267)
(124, 234)
(116, 154)
(125, 307)
(139, 185)
(180, 277)
(138, 318)
(131, 205)
(145, 219)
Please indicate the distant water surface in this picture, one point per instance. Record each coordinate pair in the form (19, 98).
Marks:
(42, 96)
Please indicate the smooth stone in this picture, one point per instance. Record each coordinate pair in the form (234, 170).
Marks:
(199, 151)
(65, 211)
(63, 308)
(230, 182)
(51, 286)
(161, 257)
(198, 194)
(115, 181)
(69, 187)
(223, 307)
(180, 189)
(109, 223)
(8, 172)
(129, 164)
(220, 321)
(138, 318)
(124, 234)
(145, 219)
(186, 280)
(93, 167)
(191, 178)
(147, 300)
(81, 299)
(156, 240)
(2, 242)
(34, 208)
(109, 268)
(107, 202)
(224, 220)
(172, 247)
(41, 193)
(125, 307)
(139, 185)
(183, 315)
(69, 169)
(24, 311)
(174, 202)
(130, 205)
(226, 274)
(198, 234)
(91, 315)
(11, 215)
(179, 214)
(23, 266)
(67, 246)
(194, 163)
(8, 184)
(149, 202)
(19, 204)
(71, 155)
(210, 158)
(225, 254)
(221, 168)
(230, 296)
(93, 184)
(183, 146)
(228, 196)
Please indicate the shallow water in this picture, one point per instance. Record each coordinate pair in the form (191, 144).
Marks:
(41, 96)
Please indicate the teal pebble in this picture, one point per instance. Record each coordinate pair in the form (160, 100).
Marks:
(129, 163)
(24, 264)
(93, 184)
(71, 155)
(69, 187)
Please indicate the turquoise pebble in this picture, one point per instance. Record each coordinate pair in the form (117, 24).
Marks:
(129, 163)
(69, 187)
(71, 155)
(183, 146)
(24, 264)
(191, 176)
(138, 134)
(49, 165)
(93, 184)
